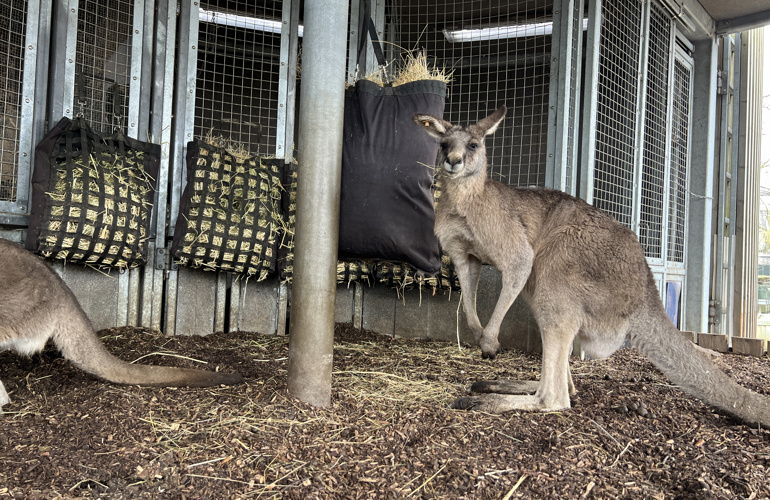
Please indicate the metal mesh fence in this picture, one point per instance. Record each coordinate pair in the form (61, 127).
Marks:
(680, 122)
(13, 20)
(238, 73)
(617, 109)
(103, 62)
(655, 127)
(498, 54)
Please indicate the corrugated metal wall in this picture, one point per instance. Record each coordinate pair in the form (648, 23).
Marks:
(748, 203)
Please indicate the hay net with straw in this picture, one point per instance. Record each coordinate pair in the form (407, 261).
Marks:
(230, 216)
(97, 207)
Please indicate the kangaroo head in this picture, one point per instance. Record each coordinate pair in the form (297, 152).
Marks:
(462, 152)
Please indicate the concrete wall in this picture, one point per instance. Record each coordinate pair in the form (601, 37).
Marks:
(419, 314)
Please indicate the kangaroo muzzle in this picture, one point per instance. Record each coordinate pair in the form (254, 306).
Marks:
(453, 164)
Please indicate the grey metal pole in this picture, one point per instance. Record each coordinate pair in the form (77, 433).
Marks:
(311, 326)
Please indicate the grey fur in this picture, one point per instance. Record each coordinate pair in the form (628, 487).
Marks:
(36, 305)
(582, 273)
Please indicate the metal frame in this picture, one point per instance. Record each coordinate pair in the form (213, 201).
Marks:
(657, 146)
(673, 271)
(721, 320)
(159, 131)
(564, 97)
(641, 105)
(588, 139)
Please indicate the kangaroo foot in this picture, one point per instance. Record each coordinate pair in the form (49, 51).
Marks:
(498, 403)
(505, 386)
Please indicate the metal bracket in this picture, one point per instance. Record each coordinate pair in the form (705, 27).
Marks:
(715, 312)
(164, 261)
(722, 83)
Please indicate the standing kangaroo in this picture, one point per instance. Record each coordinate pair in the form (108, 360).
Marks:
(582, 274)
(36, 305)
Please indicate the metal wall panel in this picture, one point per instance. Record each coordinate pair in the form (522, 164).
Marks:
(236, 67)
(23, 24)
(13, 25)
(103, 62)
(237, 73)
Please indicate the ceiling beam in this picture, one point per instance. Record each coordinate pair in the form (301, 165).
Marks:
(743, 23)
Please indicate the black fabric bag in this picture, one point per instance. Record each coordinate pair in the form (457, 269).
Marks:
(92, 196)
(386, 203)
(230, 213)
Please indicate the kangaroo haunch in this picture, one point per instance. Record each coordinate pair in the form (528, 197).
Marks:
(582, 273)
(36, 305)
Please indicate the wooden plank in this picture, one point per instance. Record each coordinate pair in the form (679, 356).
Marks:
(691, 336)
(713, 341)
(751, 347)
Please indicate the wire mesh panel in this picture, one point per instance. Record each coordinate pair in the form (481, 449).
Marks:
(13, 20)
(617, 109)
(103, 62)
(655, 127)
(498, 53)
(680, 142)
(237, 76)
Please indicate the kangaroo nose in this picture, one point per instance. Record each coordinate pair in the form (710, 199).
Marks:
(453, 163)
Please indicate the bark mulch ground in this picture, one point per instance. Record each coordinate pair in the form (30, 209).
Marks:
(387, 434)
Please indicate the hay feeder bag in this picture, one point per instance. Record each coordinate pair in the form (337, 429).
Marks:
(230, 214)
(92, 196)
(386, 201)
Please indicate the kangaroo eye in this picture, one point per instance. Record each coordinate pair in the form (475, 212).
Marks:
(473, 146)
(444, 146)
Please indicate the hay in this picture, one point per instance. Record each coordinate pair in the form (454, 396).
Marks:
(416, 68)
(412, 67)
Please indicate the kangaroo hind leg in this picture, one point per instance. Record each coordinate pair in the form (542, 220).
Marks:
(553, 390)
(4, 399)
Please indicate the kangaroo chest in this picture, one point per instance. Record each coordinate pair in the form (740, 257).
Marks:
(466, 233)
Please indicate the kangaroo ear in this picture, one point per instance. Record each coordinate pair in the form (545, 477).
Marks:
(489, 124)
(432, 125)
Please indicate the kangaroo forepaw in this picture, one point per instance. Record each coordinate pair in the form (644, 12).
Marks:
(490, 353)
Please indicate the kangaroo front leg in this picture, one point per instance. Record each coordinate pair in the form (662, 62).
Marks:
(514, 279)
(468, 269)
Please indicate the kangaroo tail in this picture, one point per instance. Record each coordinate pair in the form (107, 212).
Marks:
(691, 370)
(79, 344)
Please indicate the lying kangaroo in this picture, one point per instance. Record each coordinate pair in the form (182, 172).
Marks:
(581, 272)
(36, 305)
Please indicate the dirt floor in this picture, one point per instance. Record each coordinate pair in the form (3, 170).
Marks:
(388, 433)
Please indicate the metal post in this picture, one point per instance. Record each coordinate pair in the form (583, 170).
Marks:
(318, 190)
(700, 208)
